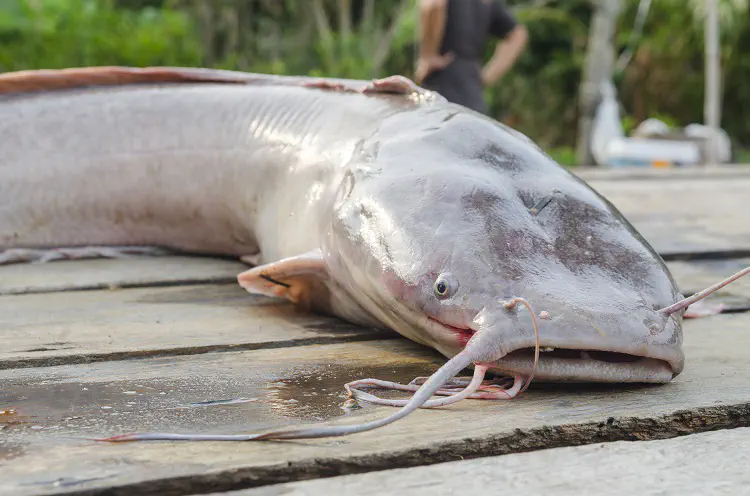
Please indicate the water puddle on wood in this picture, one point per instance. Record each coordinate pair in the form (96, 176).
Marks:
(318, 394)
(228, 403)
(9, 449)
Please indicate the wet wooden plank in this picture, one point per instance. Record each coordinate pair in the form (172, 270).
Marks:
(107, 398)
(136, 271)
(86, 326)
(707, 463)
(683, 215)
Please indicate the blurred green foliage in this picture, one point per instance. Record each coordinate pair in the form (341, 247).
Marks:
(359, 39)
(64, 33)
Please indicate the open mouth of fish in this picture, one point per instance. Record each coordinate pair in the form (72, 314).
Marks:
(562, 364)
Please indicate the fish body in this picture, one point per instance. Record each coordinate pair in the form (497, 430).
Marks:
(377, 202)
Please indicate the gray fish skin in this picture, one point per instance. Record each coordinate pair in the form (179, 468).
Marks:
(350, 204)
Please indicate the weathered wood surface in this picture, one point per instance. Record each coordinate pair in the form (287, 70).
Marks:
(86, 326)
(711, 463)
(698, 274)
(118, 273)
(68, 401)
(680, 216)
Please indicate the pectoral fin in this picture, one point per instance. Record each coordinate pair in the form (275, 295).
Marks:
(300, 279)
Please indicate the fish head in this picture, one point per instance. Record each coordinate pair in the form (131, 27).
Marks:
(442, 226)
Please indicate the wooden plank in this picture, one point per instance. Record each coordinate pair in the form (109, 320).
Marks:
(708, 463)
(86, 326)
(684, 216)
(699, 274)
(118, 273)
(67, 401)
(658, 173)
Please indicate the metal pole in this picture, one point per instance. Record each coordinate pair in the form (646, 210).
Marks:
(712, 102)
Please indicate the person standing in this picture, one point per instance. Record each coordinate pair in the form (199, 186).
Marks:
(453, 35)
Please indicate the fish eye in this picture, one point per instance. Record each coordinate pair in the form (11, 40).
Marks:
(445, 285)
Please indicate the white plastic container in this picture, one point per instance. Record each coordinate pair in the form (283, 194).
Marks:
(643, 152)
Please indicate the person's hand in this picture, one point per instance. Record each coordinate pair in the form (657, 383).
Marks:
(487, 80)
(428, 65)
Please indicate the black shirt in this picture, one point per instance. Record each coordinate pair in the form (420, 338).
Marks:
(468, 26)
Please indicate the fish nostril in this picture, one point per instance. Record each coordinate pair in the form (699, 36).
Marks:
(654, 328)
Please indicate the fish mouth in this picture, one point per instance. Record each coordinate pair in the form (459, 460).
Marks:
(574, 364)
(585, 365)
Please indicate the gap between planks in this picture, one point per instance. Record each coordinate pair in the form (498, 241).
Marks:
(42, 330)
(111, 274)
(83, 358)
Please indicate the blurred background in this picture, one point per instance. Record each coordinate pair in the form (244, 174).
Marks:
(660, 73)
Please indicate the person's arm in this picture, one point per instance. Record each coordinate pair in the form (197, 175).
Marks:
(432, 16)
(514, 38)
(506, 54)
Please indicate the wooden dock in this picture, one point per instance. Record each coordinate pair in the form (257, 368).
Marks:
(104, 347)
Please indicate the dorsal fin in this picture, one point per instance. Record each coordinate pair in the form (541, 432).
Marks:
(81, 77)
(61, 79)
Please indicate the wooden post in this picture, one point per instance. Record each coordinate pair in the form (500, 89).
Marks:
(600, 59)
(712, 101)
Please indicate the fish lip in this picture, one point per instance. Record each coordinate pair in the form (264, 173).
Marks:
(450, 327)
(462, 334)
